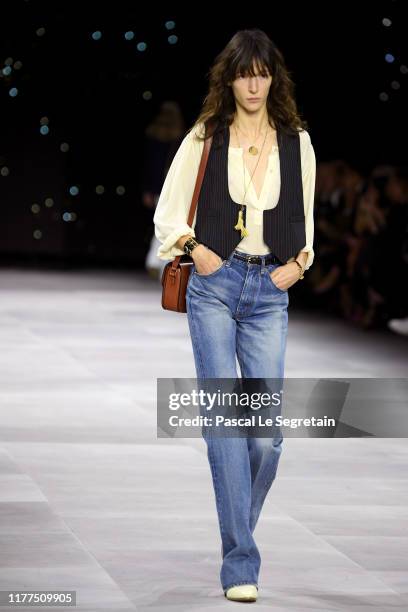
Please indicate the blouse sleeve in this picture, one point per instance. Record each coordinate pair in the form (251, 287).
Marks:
(170, 217)
(308, 161)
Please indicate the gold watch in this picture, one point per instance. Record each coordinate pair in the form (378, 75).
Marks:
(189, 245)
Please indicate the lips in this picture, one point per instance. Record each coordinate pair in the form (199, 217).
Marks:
(253, 99)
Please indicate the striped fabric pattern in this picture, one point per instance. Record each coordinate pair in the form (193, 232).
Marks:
(284, 225)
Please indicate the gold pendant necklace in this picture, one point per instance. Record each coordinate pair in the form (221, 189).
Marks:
(240, 223)
(253, 150)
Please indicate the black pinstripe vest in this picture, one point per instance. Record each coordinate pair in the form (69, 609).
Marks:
(217, 213)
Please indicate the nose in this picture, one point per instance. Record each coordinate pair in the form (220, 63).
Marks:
(253, 85)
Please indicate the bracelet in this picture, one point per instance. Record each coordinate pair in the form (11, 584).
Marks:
(189, 245)
(300, 267)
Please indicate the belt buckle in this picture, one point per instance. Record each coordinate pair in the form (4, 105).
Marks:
(251, 257)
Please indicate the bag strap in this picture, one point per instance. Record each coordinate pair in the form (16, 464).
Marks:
(197, 189)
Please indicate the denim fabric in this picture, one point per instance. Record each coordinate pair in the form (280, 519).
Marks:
(237, 314)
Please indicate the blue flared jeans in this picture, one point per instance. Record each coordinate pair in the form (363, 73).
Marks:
(237, 313)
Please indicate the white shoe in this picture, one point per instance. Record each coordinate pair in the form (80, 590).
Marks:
(400, 326)
(242, 592)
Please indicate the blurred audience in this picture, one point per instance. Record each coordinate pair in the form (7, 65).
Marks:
(163, 136)
(361, 245)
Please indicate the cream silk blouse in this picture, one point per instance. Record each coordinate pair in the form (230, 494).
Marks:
(170, 217)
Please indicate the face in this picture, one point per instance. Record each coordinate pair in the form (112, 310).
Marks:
(246, 87)
(394, 190)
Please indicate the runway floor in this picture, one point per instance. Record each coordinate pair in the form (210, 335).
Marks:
(91, 500)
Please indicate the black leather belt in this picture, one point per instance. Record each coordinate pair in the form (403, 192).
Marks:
(257, 259)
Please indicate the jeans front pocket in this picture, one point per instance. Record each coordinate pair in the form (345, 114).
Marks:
(211, 273)
(269, 269)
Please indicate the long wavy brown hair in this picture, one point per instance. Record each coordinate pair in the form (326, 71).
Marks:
(246, 49)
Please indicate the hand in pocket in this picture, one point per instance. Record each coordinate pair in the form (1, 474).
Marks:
(206, 261)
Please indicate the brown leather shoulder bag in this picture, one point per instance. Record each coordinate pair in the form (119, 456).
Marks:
(177, 272)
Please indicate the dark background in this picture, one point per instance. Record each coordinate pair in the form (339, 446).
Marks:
(92, 93)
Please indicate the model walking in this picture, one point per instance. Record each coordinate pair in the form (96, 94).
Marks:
(251, 239)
